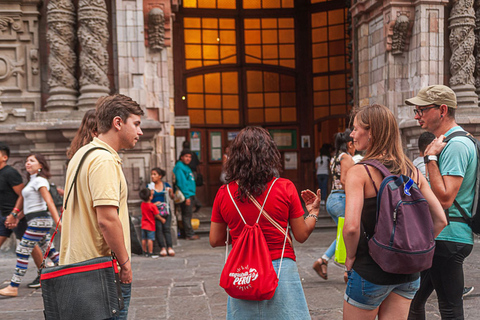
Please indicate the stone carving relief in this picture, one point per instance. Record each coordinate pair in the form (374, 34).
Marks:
(93, 37)
(61, 39)
(477, 46)
(9, 22)
(462, 42)
(398, 33)
(156, 29)
(10, 67)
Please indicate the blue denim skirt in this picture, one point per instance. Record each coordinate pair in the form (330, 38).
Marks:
(287, 303)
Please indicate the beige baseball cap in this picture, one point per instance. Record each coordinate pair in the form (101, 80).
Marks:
(437, 94)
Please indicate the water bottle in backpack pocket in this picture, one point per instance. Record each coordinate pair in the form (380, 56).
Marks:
(403, 240)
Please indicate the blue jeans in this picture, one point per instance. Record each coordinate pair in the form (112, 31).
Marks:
(287, 303)
(323, 184)
(335, 208)
(126, 293)
(365, 295)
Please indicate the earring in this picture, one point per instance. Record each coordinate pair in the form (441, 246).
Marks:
(441, 116)
(39, 169)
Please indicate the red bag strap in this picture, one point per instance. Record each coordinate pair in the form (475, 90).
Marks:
(66, 201)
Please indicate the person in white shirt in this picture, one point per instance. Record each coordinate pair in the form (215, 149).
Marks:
(321, 165)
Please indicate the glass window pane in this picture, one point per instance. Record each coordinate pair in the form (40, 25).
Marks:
(227, 23)
(190, 64)
(287, 51)
(320, 83)
(337, 81)
(252, 23)
(338, 110)
(230, 102)
(320, 65)
(336, 47)
(195, 101)
(289, 114)
(338, 97)
(287, 36)
(288, 63)
(321, 98)
(286, 23)
(272, 99)
(255, 115)
(269, 23)
(213, 101)
(336, 16)
(269, 36)
(229, 60)
(319, 35)
(210, 23)
(193, 23)
(193, 51)
(210, 52)
(252, 37)
(319, 19)
(197, 116)
(227, 51)
(272, 115)
(226, 4)
(336, 32)
(271, 82)
(207, 4)
(254, 81)
(212, 83)
(210, 36)
(337, 63)
(270, 4)
(231, 117)
(249, 59)
(320, 50)
(213, 116)
(195, 84)
(251, 4)
(270, 51)
(189, 3)
(229, 82)
(227, 37)
(192, 36)
(288, 99)
(255, 51)
(255, 100)
(321, 112)
(287, 83)
(287, 4)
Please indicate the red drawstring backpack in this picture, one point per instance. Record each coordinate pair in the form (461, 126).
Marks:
(248, 273)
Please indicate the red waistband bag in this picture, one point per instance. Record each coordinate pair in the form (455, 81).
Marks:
(248, 273)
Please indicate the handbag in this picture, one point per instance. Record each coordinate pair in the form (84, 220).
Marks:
(84, 290)
(178, 197)
(163, 209)
(248, 273)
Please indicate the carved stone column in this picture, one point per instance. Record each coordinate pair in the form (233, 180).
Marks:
(62, 59)
(477, 47)
(93, 38)
(462, 62)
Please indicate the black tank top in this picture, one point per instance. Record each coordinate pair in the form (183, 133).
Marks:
(364, 265)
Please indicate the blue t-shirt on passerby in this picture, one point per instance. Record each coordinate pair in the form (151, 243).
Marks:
(184, 179)
(459, 158)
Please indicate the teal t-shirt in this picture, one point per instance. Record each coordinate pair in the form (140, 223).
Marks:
(459, 158)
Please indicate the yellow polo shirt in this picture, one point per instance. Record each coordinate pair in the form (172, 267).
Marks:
(100, 182)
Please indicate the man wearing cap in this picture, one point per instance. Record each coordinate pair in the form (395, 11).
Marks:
(185, 181)
(452, 170)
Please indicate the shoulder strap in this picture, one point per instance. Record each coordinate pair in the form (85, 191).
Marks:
(66, 201)
(457, 134)
(378, 165)
(368, 171)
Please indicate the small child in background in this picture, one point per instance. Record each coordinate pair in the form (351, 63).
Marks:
(149, 214)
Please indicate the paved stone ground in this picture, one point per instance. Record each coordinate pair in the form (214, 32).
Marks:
(186, 286)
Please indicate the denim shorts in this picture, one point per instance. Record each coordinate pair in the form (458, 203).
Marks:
(368, 296)
(288, 302)
(148, 235)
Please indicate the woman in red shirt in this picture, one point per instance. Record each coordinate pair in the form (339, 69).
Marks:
(252, 165)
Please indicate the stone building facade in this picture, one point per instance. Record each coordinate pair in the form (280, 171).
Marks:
(57, 57)
(401, 46)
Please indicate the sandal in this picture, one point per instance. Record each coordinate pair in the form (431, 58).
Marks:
(163, 252)
(171, 253)
(320, 266)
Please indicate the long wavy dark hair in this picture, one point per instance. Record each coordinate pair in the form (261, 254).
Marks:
(253, 161)
(45, 172)
(85, 134)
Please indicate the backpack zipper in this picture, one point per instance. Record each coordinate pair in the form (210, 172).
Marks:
(392, 236)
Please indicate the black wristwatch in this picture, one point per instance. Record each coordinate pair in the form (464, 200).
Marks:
(14, 214)
(427, 159)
